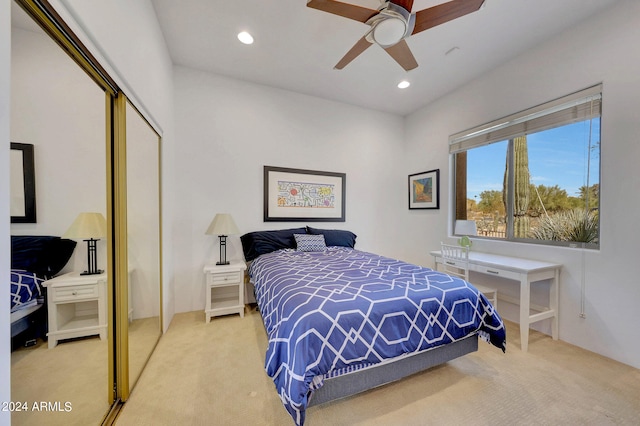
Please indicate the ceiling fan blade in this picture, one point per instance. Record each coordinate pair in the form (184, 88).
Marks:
(402, 55)
(356, 50)
(436, 15)
(406, 4)
(351, 11)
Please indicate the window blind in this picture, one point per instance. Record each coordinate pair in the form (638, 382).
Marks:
(583, 105)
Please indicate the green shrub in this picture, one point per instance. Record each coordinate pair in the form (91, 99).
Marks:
(569, 225)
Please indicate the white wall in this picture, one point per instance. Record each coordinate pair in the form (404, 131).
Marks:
(70, 158)
(5, 84)
(48, 88)
(228, 130)
(599, 50)
(126, 39)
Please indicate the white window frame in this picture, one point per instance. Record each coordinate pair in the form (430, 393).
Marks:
(579, 106)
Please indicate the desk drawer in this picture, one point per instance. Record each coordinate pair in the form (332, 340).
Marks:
(222, 279)
(76, 292)
(497, 272)
(452, 263)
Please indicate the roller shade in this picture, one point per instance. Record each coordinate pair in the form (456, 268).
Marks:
(576, 107)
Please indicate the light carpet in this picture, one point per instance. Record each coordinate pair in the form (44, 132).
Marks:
(213, 374)
(68, 385)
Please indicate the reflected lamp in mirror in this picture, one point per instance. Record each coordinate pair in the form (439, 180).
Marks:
(222, 226)
(89, 227)
(465, 228)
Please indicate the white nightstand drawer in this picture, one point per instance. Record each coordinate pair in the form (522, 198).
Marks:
(74, 292)
(223, 278)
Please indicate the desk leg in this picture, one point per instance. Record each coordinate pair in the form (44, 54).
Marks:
(525, 296)
(553, 304)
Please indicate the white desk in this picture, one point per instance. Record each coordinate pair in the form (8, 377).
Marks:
(526, 272)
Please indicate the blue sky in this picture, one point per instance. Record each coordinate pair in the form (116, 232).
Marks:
(556, 157)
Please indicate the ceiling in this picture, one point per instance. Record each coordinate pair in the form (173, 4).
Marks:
(296, 47)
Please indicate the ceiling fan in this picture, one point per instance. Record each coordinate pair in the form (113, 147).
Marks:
(392, 23)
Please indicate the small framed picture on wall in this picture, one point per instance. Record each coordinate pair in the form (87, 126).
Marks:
(424, 190)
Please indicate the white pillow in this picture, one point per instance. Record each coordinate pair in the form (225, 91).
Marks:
(308, 242)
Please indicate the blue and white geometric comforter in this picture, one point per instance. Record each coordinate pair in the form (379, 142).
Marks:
(25, 289)
(342, 309)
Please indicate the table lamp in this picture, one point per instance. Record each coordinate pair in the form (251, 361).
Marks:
(89, 227)
(465, 228)
(222, 226)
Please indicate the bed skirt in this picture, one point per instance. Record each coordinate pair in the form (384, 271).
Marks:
(359, 381)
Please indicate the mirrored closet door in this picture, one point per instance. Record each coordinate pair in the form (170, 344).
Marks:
(62, 358)
(77, 172)
(144, 322)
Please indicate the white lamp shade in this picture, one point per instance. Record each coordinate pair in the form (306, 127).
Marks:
(87, 225)
(466, 227)
(222, 224)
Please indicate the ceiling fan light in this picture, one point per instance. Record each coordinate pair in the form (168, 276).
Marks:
(245, 37)
(389, 31)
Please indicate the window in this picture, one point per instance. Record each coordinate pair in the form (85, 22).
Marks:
(533, 176)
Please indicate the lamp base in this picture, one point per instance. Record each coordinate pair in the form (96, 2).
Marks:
(223, 251)
(92, 258)
(99, 271)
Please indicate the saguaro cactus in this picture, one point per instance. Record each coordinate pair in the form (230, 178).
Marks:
(521, 187)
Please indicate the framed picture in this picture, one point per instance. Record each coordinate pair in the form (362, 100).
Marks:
(303, 195)
(424, 190)
(23, 183)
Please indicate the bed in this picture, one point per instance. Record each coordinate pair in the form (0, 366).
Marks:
(34, 259)
(340, 321)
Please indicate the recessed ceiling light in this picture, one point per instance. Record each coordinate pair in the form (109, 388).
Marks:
(245, 37)
(403, 84)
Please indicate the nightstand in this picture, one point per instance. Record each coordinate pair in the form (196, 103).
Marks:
(77, 306)
(224, 290)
